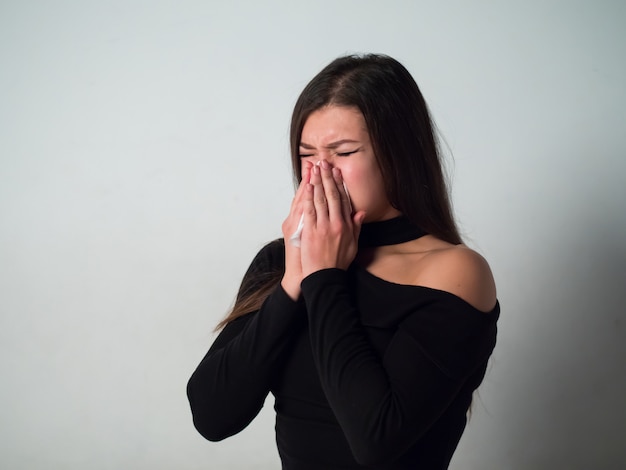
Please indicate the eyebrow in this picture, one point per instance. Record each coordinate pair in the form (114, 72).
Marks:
(332, 145)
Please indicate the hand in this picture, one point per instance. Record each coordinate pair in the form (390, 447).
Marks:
(293, 267)
(331, 233)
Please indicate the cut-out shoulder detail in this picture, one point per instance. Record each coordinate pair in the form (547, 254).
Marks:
(423, 291)
(462, 272)
(430, 262)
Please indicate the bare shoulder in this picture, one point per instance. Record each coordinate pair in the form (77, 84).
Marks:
(461, 271)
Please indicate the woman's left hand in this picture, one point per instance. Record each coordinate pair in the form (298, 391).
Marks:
(330, 235)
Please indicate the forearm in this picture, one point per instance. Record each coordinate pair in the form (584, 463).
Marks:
(228, 388)
(382, 404)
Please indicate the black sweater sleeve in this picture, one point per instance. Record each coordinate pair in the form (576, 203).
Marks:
(229, 387)
(384, 404)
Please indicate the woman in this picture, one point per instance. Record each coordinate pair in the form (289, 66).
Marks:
(373, 327)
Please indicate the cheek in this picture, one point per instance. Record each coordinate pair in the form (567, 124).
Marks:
(350, 177)
(365, 187)
(358, 184)
(358, 178)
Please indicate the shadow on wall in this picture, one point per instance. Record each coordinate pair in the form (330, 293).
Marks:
(572, 410)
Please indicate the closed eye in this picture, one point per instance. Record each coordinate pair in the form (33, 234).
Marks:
(346, 154)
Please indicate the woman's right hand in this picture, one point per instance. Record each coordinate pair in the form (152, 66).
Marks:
(293, 266)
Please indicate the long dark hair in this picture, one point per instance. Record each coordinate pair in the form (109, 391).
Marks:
(402, 136)
(400, 129)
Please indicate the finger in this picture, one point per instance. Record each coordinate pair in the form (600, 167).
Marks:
(331, 191)
(305, 172)
(297, 200)
(308, 204)
(357, 223)
(320, 202)
(346, 206)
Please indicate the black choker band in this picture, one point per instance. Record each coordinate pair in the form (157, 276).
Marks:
(388, 232)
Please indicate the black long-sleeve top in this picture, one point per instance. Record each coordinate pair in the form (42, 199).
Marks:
(365, 373)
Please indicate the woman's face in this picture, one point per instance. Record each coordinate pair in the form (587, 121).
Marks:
(339, 135)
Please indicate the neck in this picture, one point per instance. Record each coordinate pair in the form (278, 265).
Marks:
(389, 232)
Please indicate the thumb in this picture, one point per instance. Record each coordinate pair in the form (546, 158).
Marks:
(357, 220)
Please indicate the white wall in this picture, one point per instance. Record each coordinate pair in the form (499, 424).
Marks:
(143, 162)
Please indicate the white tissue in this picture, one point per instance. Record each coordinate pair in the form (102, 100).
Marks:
(294, 239)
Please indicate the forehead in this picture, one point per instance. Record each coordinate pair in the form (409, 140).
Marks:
(334, 122)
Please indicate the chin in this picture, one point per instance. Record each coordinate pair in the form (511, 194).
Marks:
(379, 216)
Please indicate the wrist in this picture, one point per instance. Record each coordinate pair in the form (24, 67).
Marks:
(291, 288)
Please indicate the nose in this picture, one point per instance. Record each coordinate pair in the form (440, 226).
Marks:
(329, 158)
